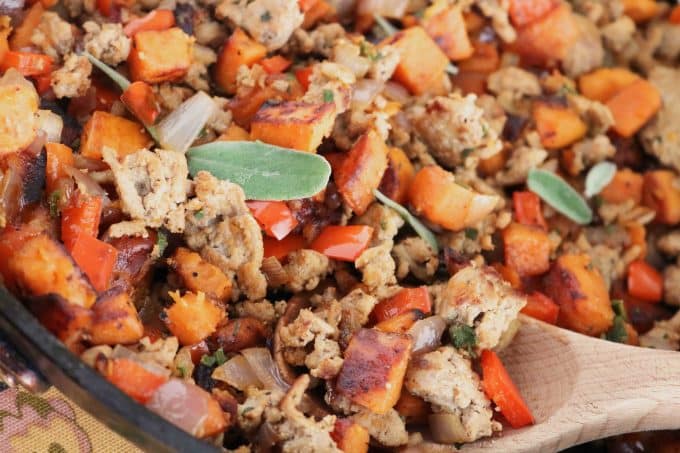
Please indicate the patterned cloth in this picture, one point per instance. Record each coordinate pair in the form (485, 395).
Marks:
(50, 423)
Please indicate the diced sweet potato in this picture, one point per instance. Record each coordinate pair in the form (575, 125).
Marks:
(638, 234)
(435, 195)
(414, 408)
(320, 10)
(193, 317)
(296, 125)
(239, 49)
(234, 133)
(38, 265)
(199, 275)
(349, 436)
(401, 322)
(18, 101)
(115, 319)
(131, 377)
(68, 322)
(580, 291)
(602, 84)
(238, 334)
(59, 157)
(626, 185)
(214, 422)
(104, 129)
(422, 61)
(373, 372)
(21, 37)
(447, 29)
(557, 125)
(661, 192)
(525, 12)
(361, 171)
(633, 106)
(539, 44)
(491, 165)
(160, 56)
(640, 10)
(527, 249)
(398, 175)
(484, 60)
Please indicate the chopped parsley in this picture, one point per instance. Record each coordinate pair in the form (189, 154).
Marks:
(463, 337)
(328, 95)
(161, 242)
(369, 51)
(618, 331)
(218, 358)
(619, 309)
(471, 233)
(466, 152)
(266, 16)
(199, 214)
(54, 203)
(182, 371)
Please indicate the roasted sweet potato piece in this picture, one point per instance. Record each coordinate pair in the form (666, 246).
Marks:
(39, 265)
(633, 106)
(18, 101)
(239, 49)
(115, 319)
(68, 322)
(361, 171)
(373, 372)
(422, 61)
(131, 378)
(602, 84)
(447, 29)
(661, 192)
(160, 56)
(349, 436)
(580, 291)
(199, 275)
(59, 157)
(22, 34)
(557, 125)
(104, 129)
(401, 322)
(238, 334)
(412, 407)
(398, 175)
(527, 249)
(193, 317)
(234, 133)
(626, 185)
(640, 10)
(525, 12)
(637, 234)
(134, 258)
(295, 124)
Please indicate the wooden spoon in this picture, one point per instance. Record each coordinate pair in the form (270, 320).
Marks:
(581, 389)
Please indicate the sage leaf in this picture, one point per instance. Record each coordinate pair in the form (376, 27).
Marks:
(598, 177)
(560, 195)
(265, 172)
(114, 75)
(416, 224)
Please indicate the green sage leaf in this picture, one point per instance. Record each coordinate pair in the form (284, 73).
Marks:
(416, 224)
(114, 75)
(598, 177)
(265, 172)
(560, 195)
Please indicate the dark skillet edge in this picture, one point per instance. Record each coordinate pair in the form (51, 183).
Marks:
(87, 388)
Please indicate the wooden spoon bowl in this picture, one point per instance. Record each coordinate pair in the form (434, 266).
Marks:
(582, 389)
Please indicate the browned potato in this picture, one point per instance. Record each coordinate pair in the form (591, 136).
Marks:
(115, 319)
(199, 275)
(237, 334)
(412, 407)
(160, 55)
(68, 322)
(581, 293)
(349, 436)
(660, 193)
(557, 125)
(192, 317)
(104, 129)
(373, 372)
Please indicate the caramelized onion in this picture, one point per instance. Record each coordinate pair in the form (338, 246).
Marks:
(427, 333)
(447, 428)
(274, 272)
(364, 91)
(237, 373)
(263, 366)
(88, 185)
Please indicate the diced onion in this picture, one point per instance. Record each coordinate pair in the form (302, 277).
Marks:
(386, 8)
(447, 428)
(181, 403)
(263, 366)
(364, 91)
(396, 92)
(348, 55)
(51, 124)
(427, 333)
(88, 185)
(179, 129)
(237, 373)
(274, 272)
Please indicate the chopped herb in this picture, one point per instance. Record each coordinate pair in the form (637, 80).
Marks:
(161, 242)
(328, 95)
(182, 371)
(466, 152)
(560, 195)
(369, 51)
(463, 337)
(598, 177)
(471, 233)
(266, 16)
(618, 331)
(199, 214)
(619, 309)
(208, 360)
(417, 226)
(220, 358)
(54, 203)
(565, 90)
(246, 410)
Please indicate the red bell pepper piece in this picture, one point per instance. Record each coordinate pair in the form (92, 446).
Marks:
(133, 379)
(644, 282)
(405, 300)
(498, 386)
(527, 208)
(344, 243)
(140, 99)
(27, 63)
(59, 157)
(276, 64)
(96, 259)
(156, 20)
(525, 12)
(275, 218)
(281, 249)
(80, 216)
(541, 307)
(304, 75)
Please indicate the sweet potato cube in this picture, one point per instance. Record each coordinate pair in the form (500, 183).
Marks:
(447, 29)
(626, 185)
(199, 275)
(525, 12)
(68, 322)
(661, 192)
(104, 129)
(115, 319)
(349, 436)
(160, 56)
(412, 407)
(398, 175)
(580, 291)
(361, 171)
(557, 125)
(373, 372)
(422, 61)
(633, 106)
(296, 125)
(193, 317)
(640, 10)
(602, 84)
(239, 49)
(527, 249)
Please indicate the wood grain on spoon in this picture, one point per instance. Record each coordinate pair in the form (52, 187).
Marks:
(581, 389)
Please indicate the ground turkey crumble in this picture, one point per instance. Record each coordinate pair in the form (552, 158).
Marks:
(72, 79)
(106, 42)
(53, 35)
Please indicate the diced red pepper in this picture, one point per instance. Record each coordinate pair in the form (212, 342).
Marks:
(674, 18)
(405, 300)
(527, 208)
(59, 157)
(275, 217)
(525, 12)
(541, 307)
(133, 379)
(305, 5)
(281, 249)
(156, 20)
(644, 282)
(304, 75)
(43, 83)
(27, 63)
(80, 217)
(344, 243)
(140, 99)
(96, 259)
(276, 64)
(498, 386)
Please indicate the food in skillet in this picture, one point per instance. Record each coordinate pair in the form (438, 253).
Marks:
(168, 214)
